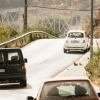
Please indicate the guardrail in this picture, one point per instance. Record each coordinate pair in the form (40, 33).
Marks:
(20, 38)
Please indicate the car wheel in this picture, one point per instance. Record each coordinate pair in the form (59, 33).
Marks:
(23, 83)
(64, 50)
(68, 51)
(86, 50)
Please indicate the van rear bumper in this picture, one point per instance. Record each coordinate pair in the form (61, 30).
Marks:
(12, 79)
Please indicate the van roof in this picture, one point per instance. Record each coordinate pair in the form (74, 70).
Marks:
(9, 48)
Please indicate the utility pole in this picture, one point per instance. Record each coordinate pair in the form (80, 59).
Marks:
(1, 21)
(25, 16)
(91, 35)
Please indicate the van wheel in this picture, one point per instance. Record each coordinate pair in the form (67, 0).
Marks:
(23, 83)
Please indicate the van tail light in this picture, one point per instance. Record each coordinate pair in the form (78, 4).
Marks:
(23, 68)
(66, 41)
(83, 41)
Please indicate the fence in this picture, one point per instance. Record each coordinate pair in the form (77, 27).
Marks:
(56, 19)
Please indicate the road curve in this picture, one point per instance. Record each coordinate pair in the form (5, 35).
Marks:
(45, 59)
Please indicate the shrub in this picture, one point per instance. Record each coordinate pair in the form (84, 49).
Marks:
(93, 67)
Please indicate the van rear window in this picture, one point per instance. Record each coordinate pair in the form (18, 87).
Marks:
(1, 57)
(13, 56)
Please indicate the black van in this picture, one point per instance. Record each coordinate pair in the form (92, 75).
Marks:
(12, 66)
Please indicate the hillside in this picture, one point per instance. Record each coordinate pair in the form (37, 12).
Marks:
(63, 4)
(67, 4)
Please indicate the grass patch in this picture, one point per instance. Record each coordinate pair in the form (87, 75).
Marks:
(93, 67)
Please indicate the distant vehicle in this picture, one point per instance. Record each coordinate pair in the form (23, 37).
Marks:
(66, 88)
(76, 40)
(12, 66)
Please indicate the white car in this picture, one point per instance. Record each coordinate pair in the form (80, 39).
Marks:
(76, 40)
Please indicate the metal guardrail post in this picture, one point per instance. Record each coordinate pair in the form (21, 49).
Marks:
(16, 44)
(31, 38)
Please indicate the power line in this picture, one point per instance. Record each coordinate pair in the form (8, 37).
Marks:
(66, 9)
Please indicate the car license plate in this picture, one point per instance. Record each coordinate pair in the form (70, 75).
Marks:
(74, 41)
(2, 70)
